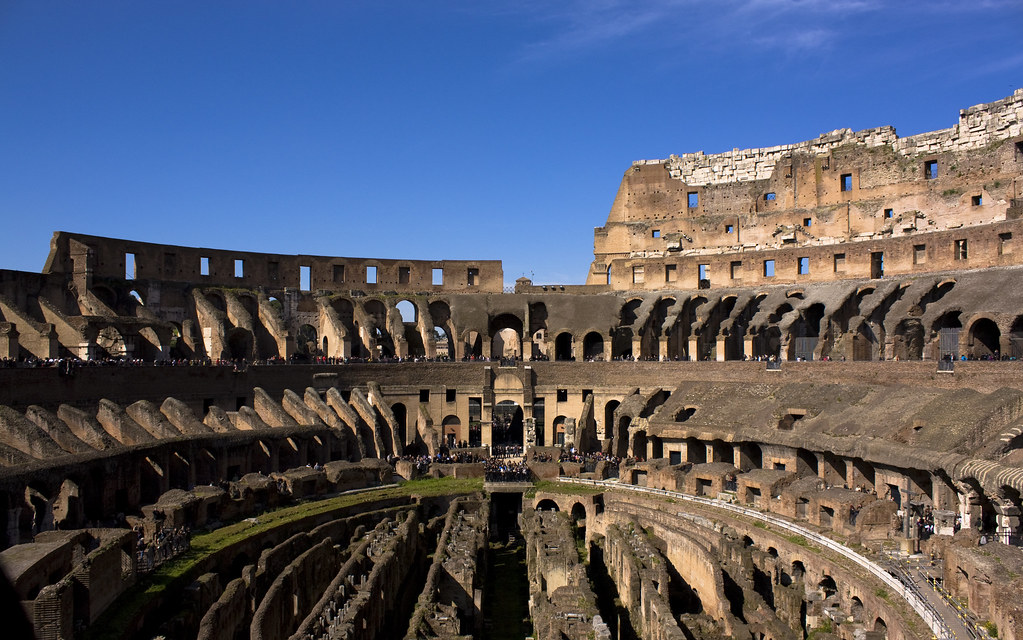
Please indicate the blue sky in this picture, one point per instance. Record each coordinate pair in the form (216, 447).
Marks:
(430, 130)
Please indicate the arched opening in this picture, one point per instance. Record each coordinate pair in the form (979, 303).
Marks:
(909, 340)
(827, 587)
(639, 445)
(473, 345)
(621, 343)
(622, 436)
(400, 414)
(452, 431)
(507, 427)
(440, 313)
(408, 311)
(506, 336)
(111, 343)
(306, 343)
(559, 431)
(547, 505)
(806, 463)
(239, 344)
(984, 340)
(563, 347)
(806, 332)
(696, 451)
(948, 326)
(609, 418)
(593, 346)
(881, 627)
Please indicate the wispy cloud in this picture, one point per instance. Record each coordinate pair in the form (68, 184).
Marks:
(578, 28)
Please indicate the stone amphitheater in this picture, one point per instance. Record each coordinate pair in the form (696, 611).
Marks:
(786, 404)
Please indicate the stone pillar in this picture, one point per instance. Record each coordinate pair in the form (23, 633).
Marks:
(737, 457)
(709, 448)
(571, 439)
(8, 340)
(637, 347)
(720, 355)
(662, 348)
(693, 348)
(970, 514)
(529, 429)
(684, 451)
(1006, 520)
(527, 349)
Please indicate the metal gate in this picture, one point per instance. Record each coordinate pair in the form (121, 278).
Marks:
(949, 343)
(804, 348)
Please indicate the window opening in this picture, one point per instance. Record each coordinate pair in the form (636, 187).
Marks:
(919, 253)
(449, 395)
(693, 199)
(273, 270)
(657, 233)
(239, 268)
(804, 266)
(768, 268)
(839, 262)
(1004, 243)
(204, 266)
(339, 273)
(305, 277)
(473, 277)
(371, 275)
(888, 213)
(977, 201)
(637, 274)
(736, 269)
(729, 228)
(846, 182)
(931, 169)
(424, 395)
(438, 276)
(704, 272)
(670, 272)
(129, 266)
(404, 273)
(770, 196)
(960, 249)
(807, 222)
(562, 395)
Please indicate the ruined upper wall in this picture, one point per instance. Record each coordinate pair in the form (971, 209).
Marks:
(841, 187)
(978, 127)
(98, 257)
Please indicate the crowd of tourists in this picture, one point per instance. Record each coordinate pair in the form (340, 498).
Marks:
(164, 545)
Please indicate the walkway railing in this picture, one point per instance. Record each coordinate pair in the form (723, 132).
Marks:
(937, 625)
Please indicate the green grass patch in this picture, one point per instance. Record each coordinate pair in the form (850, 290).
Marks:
(881, 593)
(176, 573)
(567, 488)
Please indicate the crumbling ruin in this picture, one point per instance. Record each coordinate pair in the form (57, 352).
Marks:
(827, 333)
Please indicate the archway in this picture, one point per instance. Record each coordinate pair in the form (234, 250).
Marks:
(609, 418)
(452, 430)
(593, 346)
(909, 340)
(306, 343)
(559, 431)
(239, 344)
(563, 346)
(507, 425)
(984, 340)
(506, 336)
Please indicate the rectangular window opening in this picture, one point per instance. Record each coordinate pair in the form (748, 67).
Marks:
(977, 201)
(804, 266)
(931, 169)
(877, 264)
(656, 233)
(204, 266)
(770, 196)
(404, 274)
(305, 277)
(768, 268)
(129, 266)
(839, 263)
(273, 270)
(846, 182)
(424, 395)
(438, 276)
(1004, 243)
(889, 213)
(693, 199)
(729, 228)
(338, 273)
(371, 275)
(960, 249)
(704, 273)
(807, 222)
(170, 264)
(473, 277)
(562, 395)
(919, 253)
(239, 268)
(449, 395)
(637, 274)
(736, 269)
(670, 272)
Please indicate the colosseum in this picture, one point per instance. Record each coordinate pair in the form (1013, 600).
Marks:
(787, 403)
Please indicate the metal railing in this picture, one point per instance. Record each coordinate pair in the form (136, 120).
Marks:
(912, 597)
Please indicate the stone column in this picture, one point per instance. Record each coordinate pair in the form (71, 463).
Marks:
(662, 348)
(1006, 520)
(969, 506)
(720, 355)
(693, 348)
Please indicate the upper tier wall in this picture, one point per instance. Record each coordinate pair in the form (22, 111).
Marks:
(99, 257)
(978, 127)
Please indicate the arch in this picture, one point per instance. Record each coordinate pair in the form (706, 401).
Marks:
(909, 339)
(827, 587)
(507, 424)
(593, 346)
(400, 413)
(473, 344)
(547, 505)
(505, 344)
(622, 436)
(609, 418)
(985, 339)
(684, 414)
(306, 342)
(451, 430)
(806, 463)
(578, 514)
(948, 326)
(111, 343)
(217, 300)
(559, 431)
(409, 312)
(563, 346)
(239, 344)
